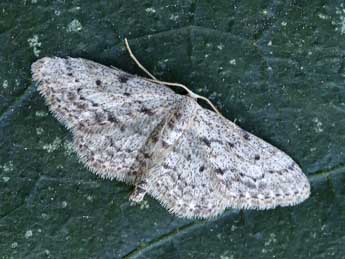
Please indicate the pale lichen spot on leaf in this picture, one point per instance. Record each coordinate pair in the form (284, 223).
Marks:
(35, 45)
(340, 24)
(220, 46)
(232, 62)
(28, 234)
(225, 256)
(52, 146)
(39, 131)
(323, 16)
(318, 125)
(57, 12)
(323, 227)
(64, 204)
(150, 10)
(68, 147)
(233, 228)
(144, 205)
(173, 17)
(6, 179)
(41, 114)
(45, 216)
(74, 26)
(271, 240)
(7, 167)
(5, 84)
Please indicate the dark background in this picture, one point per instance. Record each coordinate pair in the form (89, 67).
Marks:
(277, 68)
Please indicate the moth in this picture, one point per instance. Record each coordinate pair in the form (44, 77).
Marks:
(195, 162)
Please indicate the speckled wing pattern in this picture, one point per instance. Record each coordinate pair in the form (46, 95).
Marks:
(194, 161)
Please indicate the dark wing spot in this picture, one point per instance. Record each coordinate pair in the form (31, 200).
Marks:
(154, 138)
(206, 141)
(231, 145)
(171, 123)
(146, 155)
(262, 186)
(219, 171)
(146, 111)
(123, 78)
(111, 142)
(202, 168)
(71, 96)
(257, 157)
(166, 166)
(178, 115)
(76, 80)
(70, 74)
(98, 82)
(126, 94)
(236, 178)
(99, 116)
(112, 118)
(292, 166)
(81, 106)
(250, 185)
(110, 153)
(165, 144)
(122, 128)
(246, 136)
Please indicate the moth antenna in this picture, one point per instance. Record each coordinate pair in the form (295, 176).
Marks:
(155, 80)
(137, 61)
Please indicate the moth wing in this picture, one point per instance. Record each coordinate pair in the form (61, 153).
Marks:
(216, 164)
(202, 164)
(110, 113)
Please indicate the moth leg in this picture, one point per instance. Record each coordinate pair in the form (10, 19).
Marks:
(139, 192)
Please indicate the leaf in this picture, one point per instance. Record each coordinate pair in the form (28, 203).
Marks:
(275, 67)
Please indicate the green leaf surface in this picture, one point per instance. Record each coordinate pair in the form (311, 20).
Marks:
(275, 67)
